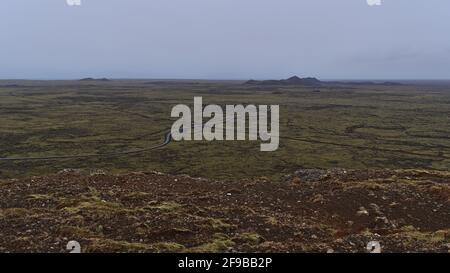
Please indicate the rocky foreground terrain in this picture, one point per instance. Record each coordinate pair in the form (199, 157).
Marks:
(310, 211)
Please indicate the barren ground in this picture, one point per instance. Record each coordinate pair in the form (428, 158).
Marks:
(312, 210)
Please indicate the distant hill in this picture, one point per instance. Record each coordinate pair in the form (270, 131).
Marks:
(94, 80)
(309, 81)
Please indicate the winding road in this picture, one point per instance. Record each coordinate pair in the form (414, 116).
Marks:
(167, 140)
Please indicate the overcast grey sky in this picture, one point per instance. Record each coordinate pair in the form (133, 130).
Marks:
(225, 39)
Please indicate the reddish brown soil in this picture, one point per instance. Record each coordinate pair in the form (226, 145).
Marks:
(311, 211)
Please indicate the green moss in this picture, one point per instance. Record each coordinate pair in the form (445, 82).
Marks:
(169, 247)
(13, 212)
(75, 232)
(40, 196)
(342, 126)
(108, 245)
(23, 239)
(74, 206)
(271, 220)
(250, 238)
(412, 234)
(220, 244)
(218, 224)
(136, 195)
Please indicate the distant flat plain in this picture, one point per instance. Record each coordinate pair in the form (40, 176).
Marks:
(336, 125)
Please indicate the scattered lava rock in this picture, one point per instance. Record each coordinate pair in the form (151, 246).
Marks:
(326, 210)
